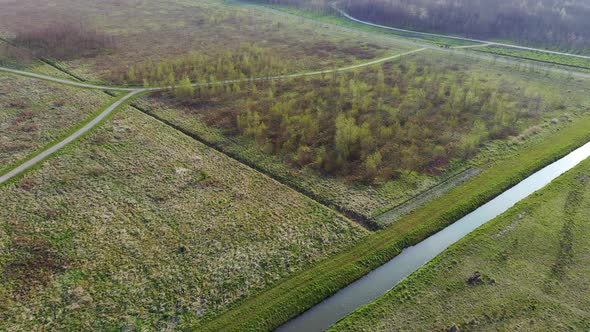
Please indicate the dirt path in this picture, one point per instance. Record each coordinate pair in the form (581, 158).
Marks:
(51, 150)
(456, 50)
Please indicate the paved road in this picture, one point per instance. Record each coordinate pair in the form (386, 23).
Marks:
(457, 38)
(33, 161)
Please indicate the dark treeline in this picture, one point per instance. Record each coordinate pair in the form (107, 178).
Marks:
(63, 41)
(371, 125)
(555, 23)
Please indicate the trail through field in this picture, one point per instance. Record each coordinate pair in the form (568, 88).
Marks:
(454, 50)
(134, 91)
(254, 79)
(51, 150)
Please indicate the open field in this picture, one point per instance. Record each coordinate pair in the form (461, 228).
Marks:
(525, 270)
(294, 295)
(288, 129)
(137, 225)
(34, 113)
(163, 31)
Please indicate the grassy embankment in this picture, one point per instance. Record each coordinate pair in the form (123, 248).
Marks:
(533, 263)
(138, 225)
(285, 300)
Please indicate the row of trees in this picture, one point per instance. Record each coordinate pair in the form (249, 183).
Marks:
(371, 124)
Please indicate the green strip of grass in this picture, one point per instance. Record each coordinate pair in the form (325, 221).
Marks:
(72, 130)
(533, 267)
(289, 298)
(562, 60)
(344, 22)
(438, 41)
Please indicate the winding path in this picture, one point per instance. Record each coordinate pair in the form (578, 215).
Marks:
(160, 88)
(134, 91)
(456, 50)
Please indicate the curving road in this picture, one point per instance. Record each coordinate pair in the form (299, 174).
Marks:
(343, 13)
(401, 40)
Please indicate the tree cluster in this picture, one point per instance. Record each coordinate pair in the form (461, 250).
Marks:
(373, 124)
(245, 62)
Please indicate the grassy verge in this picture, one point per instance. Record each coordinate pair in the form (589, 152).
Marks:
(525, 270)
(327, 17)
(271, 308)
(59, 139)
(556, 59)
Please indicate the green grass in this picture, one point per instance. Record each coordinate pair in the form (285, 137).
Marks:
(568, 61)
(537, 254)
(272, 307)
(137, 225)
(35, 114)
(331, 18)
(344, 22)
(72, 130)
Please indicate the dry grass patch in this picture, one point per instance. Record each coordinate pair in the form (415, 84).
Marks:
(34, 113)
(156, 230)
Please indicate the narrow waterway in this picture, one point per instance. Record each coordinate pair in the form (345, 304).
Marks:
(385, 277)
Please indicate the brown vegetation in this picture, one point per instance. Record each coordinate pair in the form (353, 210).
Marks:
(63, 41)
(373, 124)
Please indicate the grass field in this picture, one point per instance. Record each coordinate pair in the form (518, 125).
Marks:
(533, 260)
(137, 225)
(34, 113)
(334, 18)
(287, 299)
(213, 118)
(167, 30)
